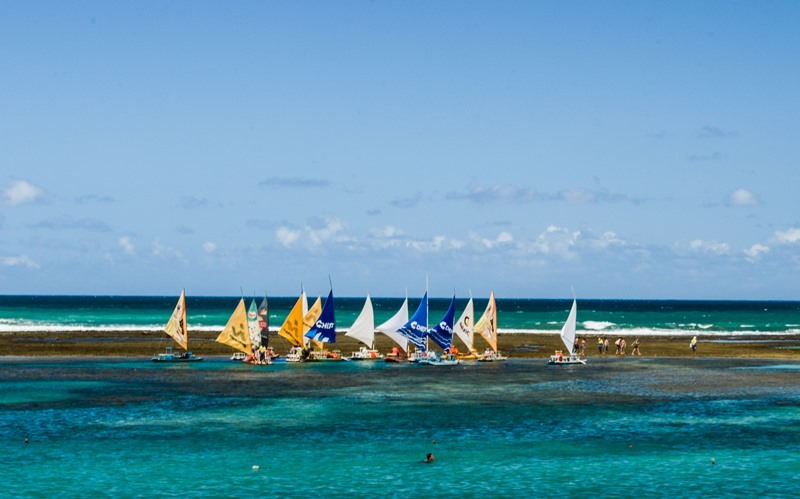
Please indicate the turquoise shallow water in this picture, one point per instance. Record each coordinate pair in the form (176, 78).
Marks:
(616, 427)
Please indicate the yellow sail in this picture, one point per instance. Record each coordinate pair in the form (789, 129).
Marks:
(313, 314)
(487, 324)
(292, 328)
(311, 318)
(176, 325)
(236, 333)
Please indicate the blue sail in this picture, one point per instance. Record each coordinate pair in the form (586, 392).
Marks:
(416, 329)
(442, 333)
(324, 329)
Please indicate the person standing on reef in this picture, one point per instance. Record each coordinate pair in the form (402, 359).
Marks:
(635, 346)
(605, 345)
(622, 345)
(600, 345)
(693, 345)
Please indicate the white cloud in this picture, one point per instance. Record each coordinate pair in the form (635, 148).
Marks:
(755, 251)
(438, 243)
(13, 261)
(287, 236)
(713, 247)
(127, 245)
(556, 241)
(789, 236)
(22, 192)
(209, 247)
(607, 240)
(742, 197)
(502, 238)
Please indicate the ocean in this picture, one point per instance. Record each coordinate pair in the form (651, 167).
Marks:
(624, 317)
(644, 427)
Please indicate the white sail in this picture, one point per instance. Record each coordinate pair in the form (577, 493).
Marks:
(463, 328)
(363, 329)
(568, 331)
(390, 327)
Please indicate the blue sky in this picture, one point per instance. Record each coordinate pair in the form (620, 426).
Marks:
(625, 149)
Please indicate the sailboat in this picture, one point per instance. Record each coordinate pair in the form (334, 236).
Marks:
(568, 338)
(464, 331)
(324, 331)
(442, 335)
(416, 330)
(178, 329)
(391, 329)
(292, 328)
(487, 328)
(236, 333)
(363, 329)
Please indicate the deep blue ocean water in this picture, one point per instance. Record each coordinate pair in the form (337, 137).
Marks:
(630, 317)
(640, 427)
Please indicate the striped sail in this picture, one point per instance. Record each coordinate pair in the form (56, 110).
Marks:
(292, 328)
(236, 333)
(310, 317)
(263, 320)
(416, 329)
(463, 328)
(252, 324)
(442, 333)
(363, 329)
(391, 327)
(324, 328)
(487, 324)
(176, 325)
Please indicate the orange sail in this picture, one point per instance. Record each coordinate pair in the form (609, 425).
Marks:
(487, 324)
(236, 333)
(176, 325)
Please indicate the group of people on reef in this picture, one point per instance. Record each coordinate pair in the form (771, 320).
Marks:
(262, 354)
(621, 344)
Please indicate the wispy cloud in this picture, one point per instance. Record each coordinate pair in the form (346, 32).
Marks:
(714, 156)
(512, 194)
(742, 197)
(407, 202)
(294, 182)
(92, 198)
(754, 252)
(161, 251)
(497, 194)
(194, 202)
(22, 192)
(127, 245)
(68, 223)
(713, 132)
(713, 247)
(22, 260)
(209, 247)
(315, 233)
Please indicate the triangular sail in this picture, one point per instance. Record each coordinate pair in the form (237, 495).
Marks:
(263, 320)
(324, 328)
(568, 331)
(176, 325)
(463, 328)
(363, 329)
(487, 324)
(390, 328)
(416, 329)
(236, 333)
(442, 333)
(310, 317)
(292, 328)
(252, 324)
